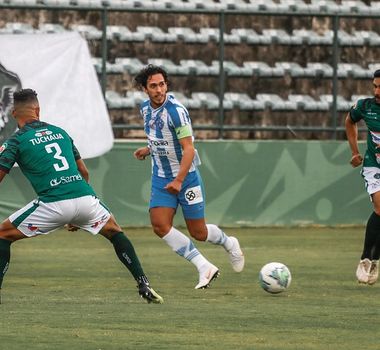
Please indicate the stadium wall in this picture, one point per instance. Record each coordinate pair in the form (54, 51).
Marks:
(247, 183)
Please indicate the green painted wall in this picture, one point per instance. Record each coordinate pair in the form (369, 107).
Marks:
(248, 183)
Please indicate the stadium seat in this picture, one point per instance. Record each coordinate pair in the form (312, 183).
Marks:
(156, 34)
(130, 65)
(291, 68)
(295, 5)
(213, 34)
(251, 37)
(239, 5)
(276, 103)
(355, 71)
(17, 28)
(262, 69)
(342, 103)
(189, 103)
(115, 101)
(167, 64)
(243, 101)
(122, 33)
(310, 37)
(188, 35)
(264, 5)
(326, 6)
(88, 31)
(370, 37)
(137, 96)
(198, 67)
(231, 68)
(355, 6)
(355, 98)
(57, 2)
(280, 36)
(53, 28)
(372, 67)
(319, 69)
(210, 101)
(111, 68)
(307, 103)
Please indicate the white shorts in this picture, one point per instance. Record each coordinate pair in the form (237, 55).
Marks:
(39, 218)
(371, 177)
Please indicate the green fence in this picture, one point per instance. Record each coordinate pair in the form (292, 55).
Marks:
(248, 183)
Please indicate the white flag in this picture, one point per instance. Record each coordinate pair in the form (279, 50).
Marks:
(59, 68)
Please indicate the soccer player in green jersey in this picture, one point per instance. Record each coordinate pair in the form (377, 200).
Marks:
(50, 161)
(368, 110)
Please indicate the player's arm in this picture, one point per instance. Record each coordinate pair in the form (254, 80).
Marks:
(2, 175)
(83, 169)
(141, 153)
(352, 137)
(188, 152)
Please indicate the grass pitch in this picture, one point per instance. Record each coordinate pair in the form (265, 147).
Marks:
(69, 291)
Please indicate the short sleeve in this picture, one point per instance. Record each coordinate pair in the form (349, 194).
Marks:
(8, 154)
(356, 111)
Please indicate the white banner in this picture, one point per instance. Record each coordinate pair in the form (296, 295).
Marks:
(59, 68)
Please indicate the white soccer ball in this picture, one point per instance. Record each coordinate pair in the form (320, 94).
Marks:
(275, 277)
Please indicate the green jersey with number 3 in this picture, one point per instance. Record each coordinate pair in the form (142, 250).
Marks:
(47, 156)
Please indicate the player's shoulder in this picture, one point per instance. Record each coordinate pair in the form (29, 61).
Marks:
(173, 104)
(364, 103)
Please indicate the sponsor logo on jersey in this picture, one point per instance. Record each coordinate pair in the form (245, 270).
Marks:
(45, 138)
(65, 180)
(44, 132)
(158, 143)
(3, 147)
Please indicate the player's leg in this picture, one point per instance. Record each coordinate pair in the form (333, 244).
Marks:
(8, 234)
(94, 217)
(372, 232)
(193, 206)
(162, 223)
(127, 255)
(373, 272)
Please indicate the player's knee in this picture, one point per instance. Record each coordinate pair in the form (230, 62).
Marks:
(161, 229)
(200, 234)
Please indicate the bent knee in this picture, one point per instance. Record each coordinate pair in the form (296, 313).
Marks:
(161, 229)
(198, 234)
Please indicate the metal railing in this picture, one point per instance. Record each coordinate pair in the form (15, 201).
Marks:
(107, 7)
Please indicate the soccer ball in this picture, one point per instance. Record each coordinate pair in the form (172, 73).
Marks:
(275, 277)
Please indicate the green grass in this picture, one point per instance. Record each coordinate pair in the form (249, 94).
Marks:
(69, 291)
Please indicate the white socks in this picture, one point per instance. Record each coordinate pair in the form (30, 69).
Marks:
(216, 236)
(184, 247)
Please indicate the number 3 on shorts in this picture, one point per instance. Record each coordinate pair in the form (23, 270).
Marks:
(54, 147)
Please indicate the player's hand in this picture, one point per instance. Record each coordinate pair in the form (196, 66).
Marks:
(356, 160)
(141, 153)
(174, 187)
(71, 228)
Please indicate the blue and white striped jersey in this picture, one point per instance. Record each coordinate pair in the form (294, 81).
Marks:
(159, 126)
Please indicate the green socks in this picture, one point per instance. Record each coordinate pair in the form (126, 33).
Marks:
(127, 255)
(372, 234)
(5, 255)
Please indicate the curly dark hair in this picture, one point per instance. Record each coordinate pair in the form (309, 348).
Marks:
(142, 77)
(25, 95)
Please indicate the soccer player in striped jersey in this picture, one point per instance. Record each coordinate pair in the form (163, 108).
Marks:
(175, 177)
(368, 110)
(48, 158)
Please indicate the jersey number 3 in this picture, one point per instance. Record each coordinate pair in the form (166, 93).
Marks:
(54, 147)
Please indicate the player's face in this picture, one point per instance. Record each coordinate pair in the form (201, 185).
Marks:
(376, 89)
(156, 88)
